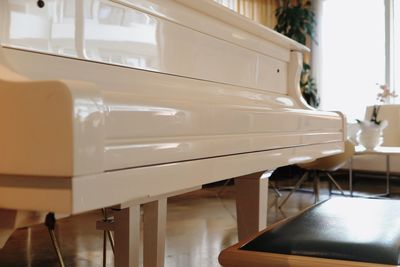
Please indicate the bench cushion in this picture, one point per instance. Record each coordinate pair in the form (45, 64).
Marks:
(353, 229)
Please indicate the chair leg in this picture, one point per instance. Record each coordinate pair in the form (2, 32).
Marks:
(330, 189)
(316, 186)
(335, 183)
(50, 223)
(276, 191)
(296, 186)
(219, 193)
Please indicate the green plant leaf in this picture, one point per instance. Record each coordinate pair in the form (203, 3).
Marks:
(297, 21)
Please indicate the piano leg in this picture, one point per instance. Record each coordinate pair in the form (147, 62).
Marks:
(154, 227)
(126, 229)
(4, 236)
(251, 203)
(13, 219)
(127, 236)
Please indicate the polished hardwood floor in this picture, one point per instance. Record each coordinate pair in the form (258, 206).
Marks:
(199, 225)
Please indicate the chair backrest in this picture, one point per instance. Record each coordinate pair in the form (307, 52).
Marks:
(331, 163)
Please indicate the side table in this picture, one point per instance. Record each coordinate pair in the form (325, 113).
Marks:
(381, 150)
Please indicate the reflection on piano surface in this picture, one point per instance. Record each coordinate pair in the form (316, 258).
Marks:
(105, 102)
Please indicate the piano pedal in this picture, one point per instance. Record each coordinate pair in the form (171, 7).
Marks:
(50, 223)
(107, 225)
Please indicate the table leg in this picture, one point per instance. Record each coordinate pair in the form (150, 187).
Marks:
(351, 177)
(388, 174)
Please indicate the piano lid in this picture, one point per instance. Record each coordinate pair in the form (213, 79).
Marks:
(197, 39)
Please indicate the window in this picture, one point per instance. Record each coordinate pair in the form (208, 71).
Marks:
(352, 45)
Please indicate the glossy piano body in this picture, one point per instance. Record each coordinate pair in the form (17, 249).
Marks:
(104, 101)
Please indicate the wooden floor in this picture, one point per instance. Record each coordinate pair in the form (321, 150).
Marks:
(200, 224)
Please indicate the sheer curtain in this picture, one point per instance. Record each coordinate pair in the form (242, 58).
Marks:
(262, 11)
(232, 4)
(396, 45)
(352, 54)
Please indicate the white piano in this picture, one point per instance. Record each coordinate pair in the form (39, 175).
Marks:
(120, 102)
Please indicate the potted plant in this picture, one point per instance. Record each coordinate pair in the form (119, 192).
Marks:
(296, 20)
(370, 134)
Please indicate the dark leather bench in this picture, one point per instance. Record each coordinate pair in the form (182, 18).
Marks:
(336, 232)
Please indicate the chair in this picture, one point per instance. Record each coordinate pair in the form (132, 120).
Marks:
(323, 165)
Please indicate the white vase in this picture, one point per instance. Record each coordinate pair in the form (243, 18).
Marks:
(370, 138)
